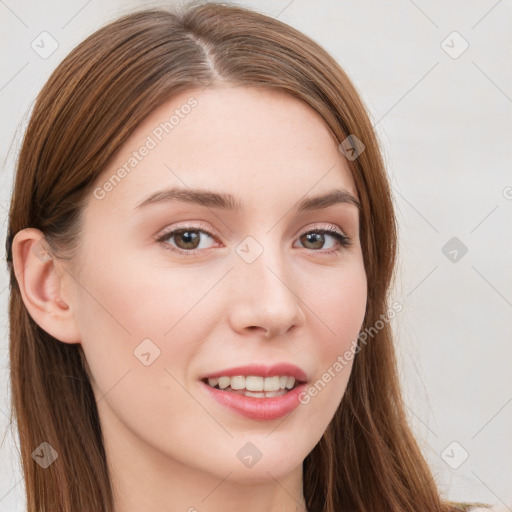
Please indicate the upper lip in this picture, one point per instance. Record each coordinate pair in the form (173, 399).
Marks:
(260, 370)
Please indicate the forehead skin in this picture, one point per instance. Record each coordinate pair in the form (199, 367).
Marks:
(265, 147)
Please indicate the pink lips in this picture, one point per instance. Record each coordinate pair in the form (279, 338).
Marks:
(259, 408)
(261, 371)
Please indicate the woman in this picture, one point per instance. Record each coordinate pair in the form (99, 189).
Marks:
(200, 239)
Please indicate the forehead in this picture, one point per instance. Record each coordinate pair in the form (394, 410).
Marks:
(258, 145)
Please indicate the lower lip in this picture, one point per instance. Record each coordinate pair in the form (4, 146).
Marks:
(258, 408)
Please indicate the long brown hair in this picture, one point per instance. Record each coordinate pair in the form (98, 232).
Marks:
(367, 459)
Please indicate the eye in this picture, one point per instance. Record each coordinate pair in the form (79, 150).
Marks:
(317, 238)
(187, 239)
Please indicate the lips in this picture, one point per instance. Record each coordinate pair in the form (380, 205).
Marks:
(261, 371)
(263, 408)
(257, 408)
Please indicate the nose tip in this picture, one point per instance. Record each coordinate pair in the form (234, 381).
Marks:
(270, 331)
(265, 303)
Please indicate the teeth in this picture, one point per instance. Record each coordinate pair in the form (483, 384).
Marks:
(267, 394)
(271, 383)
(255, 395)
(253, 383)
(223, 382)
(238, 382)
(270, 394)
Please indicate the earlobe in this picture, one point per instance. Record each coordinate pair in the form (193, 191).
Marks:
(40, 283)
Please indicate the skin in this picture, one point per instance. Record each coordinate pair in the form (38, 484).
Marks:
(170, 447)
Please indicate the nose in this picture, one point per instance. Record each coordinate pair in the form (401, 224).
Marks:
(264, 299)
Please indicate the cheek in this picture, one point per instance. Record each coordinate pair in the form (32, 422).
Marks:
(140, 332)
(340, 304)
(136, 319)
(337, 312)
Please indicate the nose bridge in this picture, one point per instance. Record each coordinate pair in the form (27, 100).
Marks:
(265, 295)
(263, 262)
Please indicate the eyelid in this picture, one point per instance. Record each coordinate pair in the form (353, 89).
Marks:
(198, 226)
(192, 225)
(325, 226)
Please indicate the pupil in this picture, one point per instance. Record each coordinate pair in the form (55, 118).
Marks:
(319, 239)
(190, 237)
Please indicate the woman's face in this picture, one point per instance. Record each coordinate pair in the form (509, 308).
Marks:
(261, 286)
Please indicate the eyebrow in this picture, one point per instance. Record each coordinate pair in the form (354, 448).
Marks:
(225, 201)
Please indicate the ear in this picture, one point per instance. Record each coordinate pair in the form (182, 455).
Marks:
(41, 284)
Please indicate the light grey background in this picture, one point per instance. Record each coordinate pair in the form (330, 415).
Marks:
(445, 125)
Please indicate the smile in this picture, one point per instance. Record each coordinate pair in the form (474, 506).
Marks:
(254, 386)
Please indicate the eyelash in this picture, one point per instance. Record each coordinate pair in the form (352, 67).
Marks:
(343, 240)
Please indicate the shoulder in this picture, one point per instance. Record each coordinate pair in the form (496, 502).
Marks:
(477, 507)
(500, 507)
(468, 507)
